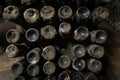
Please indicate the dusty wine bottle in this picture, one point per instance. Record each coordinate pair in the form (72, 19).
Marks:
(15, 35)
(33, 56)
(19, 67)
(50, 78)
(64, 29)
(31, 15)
(64, 61)
(27, 2)
(13, 50)
(32, 35)
(33, 70)
(65, 12)
(82, 13)
(64, 76)
(90, 76)
(96, 51)
(98, 36)
(20, 78)
(100, 14)
(78, 64)
(49, 68)
(49, 52)
(78, 50)
(10, 12)
(77, 76)
(48, 32)
(47, 13)
(94, 65)
(81, 33)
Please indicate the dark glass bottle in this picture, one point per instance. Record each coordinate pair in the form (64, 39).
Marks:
(50, 78)
(96, 51)
(64, 61)
(90, 76)
(47, 13)
(65, 12)
(82, 13)
(33, 70)
(15, 35)
(49, 52)
(64, 76)
(11, 12)
(19, 67)
(48, 32)
(31, 15)
(49, 68)
(32, 35)
(100, 14)
(33, 56)
(78, 64)
(13, 50)
(77, 76)
(98, 36)
(78, 50)
(94, 65)
(27, 2)
(81, 33)
(65, 29)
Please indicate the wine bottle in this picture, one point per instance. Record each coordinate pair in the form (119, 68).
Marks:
(33, 56)
(19, 67)
(94, 65)
(33, 70)
(90, 76)
(49, 52)
(27, 2)
(48, 32)
(13, 50)
(65, 29)
(96, 51)
(78, 64)
(15, 35)
(65, 12)
(100, 14)
(47, 13)
(82, 13)
(64, 76)
(77, 76)
(31, 15)
(11, 12)
(49, 68)
(78, 50)
(98, 36)
(50, 78)
(64, 61)
(81, 33)
(32, 35)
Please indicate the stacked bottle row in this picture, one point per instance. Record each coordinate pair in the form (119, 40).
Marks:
(48, 13)
(49, 32)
